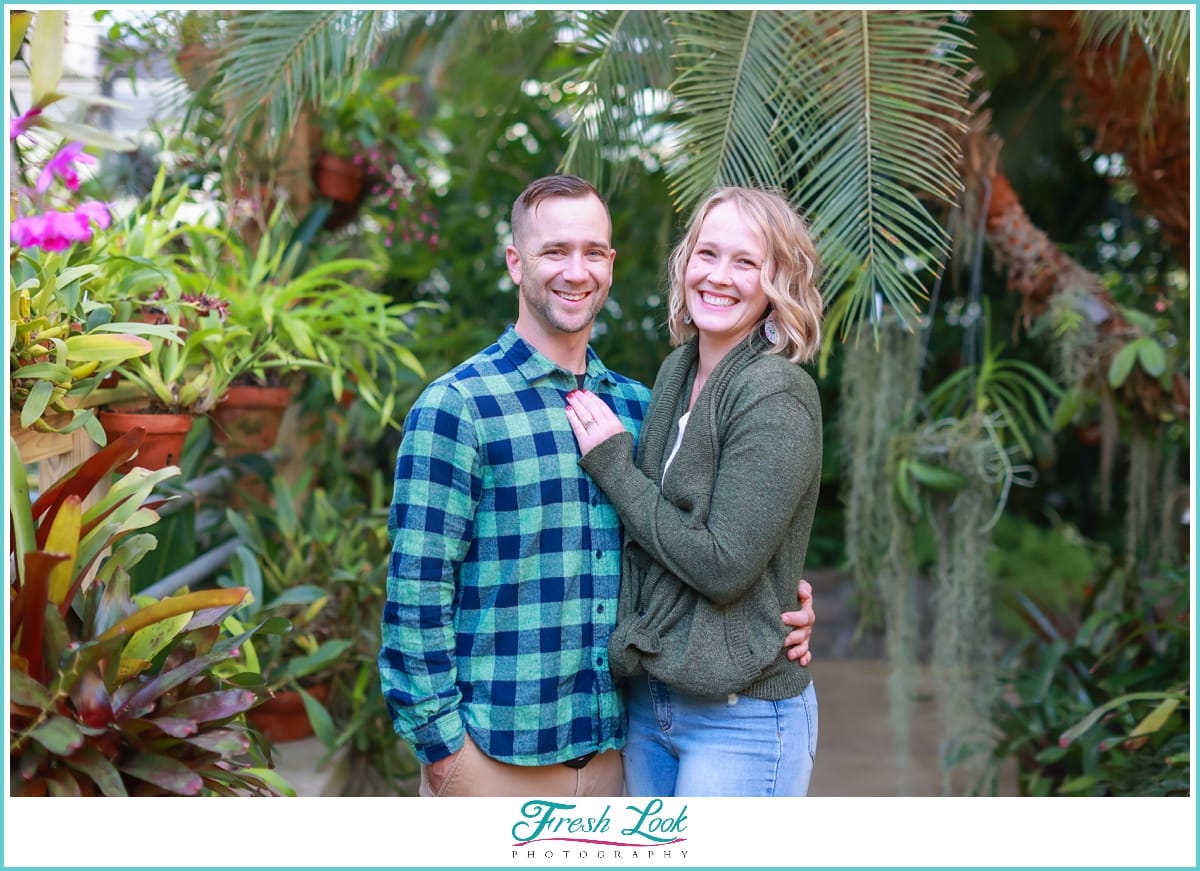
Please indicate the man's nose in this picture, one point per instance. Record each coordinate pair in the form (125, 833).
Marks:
(575, 269)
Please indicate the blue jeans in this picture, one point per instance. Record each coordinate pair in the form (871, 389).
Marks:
(680, 744)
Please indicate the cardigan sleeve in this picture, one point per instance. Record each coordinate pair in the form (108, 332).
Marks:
(769, 459)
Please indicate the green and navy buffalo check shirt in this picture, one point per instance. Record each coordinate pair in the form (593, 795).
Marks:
(506, 557)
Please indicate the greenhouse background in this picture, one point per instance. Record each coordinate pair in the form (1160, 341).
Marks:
(1005, 376)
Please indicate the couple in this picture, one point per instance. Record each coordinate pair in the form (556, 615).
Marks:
(504, 634)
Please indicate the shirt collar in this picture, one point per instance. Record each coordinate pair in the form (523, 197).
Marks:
(534, 365)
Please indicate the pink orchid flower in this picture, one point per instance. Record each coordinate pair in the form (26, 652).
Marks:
(21, 124)
(58, 231)
(63, 165)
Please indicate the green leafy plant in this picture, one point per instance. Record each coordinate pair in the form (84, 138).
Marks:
(114, 694)
(323, 319)
(326, 573)
(1097, 698)
(60, 343)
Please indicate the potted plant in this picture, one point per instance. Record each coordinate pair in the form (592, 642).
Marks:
(112, 694)
(324, 321)
(181, 378)
(62, 340)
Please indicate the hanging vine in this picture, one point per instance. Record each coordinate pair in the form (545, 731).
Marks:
(878, 396)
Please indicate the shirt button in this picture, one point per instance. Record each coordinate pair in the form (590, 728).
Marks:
(599, 660)
(599, 554)
(599, 609)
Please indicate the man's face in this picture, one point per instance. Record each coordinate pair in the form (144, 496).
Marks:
(562, 259)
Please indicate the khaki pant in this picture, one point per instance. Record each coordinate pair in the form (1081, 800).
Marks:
(473, 773)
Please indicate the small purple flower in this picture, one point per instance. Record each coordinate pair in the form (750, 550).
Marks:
(62, 165)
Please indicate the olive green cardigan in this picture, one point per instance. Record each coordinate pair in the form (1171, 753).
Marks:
(712, 558)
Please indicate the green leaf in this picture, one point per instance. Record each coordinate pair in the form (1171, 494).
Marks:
(106, 348)
(147, 643)
(1094, 717)
(1156, 719)
(26, 691)
(46, 55)
(1122, 364)
(305, 594)
(324, 656)
(937, 477)
(36, 402)
(319, 718)
(1151, 356)
(58, 735)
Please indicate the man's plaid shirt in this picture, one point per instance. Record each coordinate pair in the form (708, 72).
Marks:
(506, 557)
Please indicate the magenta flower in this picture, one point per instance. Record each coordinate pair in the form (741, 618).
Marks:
(58, 231)
(22, 124)
(95, 212)
(63, 166)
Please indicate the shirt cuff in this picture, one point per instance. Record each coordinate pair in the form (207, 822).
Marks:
(439, 738)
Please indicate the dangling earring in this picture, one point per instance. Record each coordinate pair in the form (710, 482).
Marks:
(687, 318)
(770, 331)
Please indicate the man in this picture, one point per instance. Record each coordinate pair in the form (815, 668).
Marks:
(502, 585)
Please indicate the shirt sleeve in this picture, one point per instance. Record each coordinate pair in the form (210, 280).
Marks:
(436, 491)
(769, 457)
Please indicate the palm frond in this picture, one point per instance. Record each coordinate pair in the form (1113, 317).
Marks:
(1165, 34)
(517, 46)
(731, 91)
(627, 54)
(879, 99)
(274, 63)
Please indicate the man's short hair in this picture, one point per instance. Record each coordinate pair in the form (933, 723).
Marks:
(545, 188)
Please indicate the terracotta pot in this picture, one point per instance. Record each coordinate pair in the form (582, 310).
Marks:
(282, 717)
(165, 435)
(247, 419)
(338, 178)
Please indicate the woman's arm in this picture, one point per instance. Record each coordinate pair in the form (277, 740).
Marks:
(769, 459)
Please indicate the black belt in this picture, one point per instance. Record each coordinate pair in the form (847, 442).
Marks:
(580, 761)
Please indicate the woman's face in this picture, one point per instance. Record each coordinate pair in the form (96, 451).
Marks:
(722, 283)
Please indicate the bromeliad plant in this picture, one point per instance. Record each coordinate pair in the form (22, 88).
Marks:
(112, 694)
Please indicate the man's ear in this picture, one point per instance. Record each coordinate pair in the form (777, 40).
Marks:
(512, 258)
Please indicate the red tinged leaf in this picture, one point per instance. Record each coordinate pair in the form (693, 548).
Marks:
(226, 742)
(133, 700)
(169, 775)
(34, 598)
(90, 697)
(176, 727)
(91, 762)
(212, 706)
(81, 480)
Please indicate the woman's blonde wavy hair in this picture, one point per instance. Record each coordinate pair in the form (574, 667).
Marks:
(789, 273)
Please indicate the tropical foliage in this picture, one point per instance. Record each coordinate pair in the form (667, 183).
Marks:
(1001, 199)
(111, 694)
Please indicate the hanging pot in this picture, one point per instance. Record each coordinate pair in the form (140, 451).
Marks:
(165, 435)
(338, 178)
(247, 419)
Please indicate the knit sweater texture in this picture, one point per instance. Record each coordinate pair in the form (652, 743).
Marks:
(712, 556)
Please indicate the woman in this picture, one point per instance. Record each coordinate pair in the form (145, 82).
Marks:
(717, 510)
